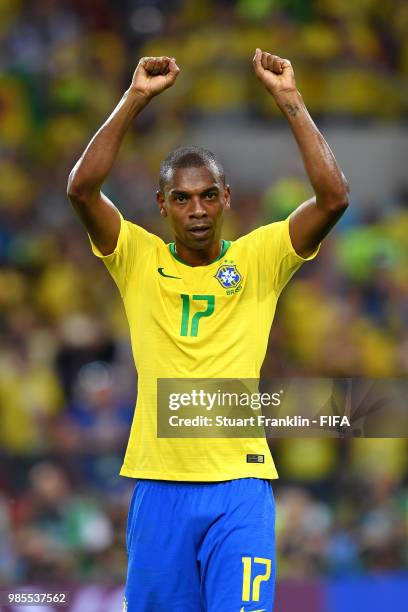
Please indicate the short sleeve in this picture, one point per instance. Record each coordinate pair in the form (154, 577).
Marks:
(277, 258)
(132, 245)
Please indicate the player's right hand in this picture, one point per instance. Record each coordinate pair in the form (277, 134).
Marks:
(153, 75)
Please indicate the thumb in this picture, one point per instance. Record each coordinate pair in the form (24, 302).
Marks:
(173, 68)
(257, 61)
(173, 71)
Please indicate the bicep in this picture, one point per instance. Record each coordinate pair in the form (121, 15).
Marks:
(101, 219)
(310, 223)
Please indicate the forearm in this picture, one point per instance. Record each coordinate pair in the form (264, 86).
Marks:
(323, 171)
(96, 162)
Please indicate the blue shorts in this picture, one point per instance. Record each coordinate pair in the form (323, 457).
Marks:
(201, 547)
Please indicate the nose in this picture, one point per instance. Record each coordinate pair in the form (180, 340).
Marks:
(198, 211)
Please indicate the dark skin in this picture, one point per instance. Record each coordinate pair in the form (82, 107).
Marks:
(309, 223)
(194, 200)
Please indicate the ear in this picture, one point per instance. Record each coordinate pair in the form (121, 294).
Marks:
(161, 202)
(227, 197)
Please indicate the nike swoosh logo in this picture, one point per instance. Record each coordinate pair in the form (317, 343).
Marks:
(263, 610)
(160, 271)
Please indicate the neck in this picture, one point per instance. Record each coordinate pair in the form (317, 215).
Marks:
(198, 258)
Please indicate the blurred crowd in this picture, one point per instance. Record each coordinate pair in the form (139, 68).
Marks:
(68, 384)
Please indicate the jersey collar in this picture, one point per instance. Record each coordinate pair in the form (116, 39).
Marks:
(225, 245)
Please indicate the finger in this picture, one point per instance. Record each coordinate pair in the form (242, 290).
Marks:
(274, 63)
(269, 62)
(264, 60)
(285, 63)
(277, 64)
(257, 61)
(151, 65)
(157, 67)
(154, 65)
(169, 65)
(172, 74)
(257, 57)
(173, 68)
(148, 64)
(145, 61)
(164, 65)
(160, 67)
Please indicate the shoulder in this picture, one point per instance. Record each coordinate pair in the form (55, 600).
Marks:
(271, 233)
(133, 241)
(139, 236)
(138, 230)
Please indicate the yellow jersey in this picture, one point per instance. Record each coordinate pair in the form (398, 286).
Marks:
(209, 321)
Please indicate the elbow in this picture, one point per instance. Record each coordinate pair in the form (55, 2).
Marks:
(73, 190)
(344, 195)
(337, 206)
(77, 193)
(346, 189)
(338, 201)
(341, 204)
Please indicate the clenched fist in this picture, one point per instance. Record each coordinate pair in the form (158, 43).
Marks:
(153, 75)
(274, 72)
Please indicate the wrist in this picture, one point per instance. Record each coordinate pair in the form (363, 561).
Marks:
(290, 102)
(287, 96)
(137, 98)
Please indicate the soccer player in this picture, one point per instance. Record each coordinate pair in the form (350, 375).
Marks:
(200, 532)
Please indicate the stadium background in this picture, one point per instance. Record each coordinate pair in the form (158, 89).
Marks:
(67, 384)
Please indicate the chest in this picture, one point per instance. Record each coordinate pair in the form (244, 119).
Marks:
(193, 302)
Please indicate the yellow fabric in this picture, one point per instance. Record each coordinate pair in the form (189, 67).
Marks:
(231, 343)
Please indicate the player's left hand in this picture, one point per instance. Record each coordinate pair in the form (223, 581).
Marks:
(274, 72)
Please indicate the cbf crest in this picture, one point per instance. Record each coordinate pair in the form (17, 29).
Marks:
(229, 277)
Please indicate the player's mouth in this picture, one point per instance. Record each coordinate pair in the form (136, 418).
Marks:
(200, 231)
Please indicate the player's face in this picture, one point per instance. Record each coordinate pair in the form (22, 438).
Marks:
(194, 200)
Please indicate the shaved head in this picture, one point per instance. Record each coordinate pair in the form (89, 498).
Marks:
(189, 157)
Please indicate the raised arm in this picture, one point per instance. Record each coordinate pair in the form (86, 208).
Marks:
(99, 215)
(313, 219)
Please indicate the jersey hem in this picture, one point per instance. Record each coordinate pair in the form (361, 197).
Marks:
(199, 476)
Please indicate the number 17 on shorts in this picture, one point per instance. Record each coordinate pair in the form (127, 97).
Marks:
(251, 584)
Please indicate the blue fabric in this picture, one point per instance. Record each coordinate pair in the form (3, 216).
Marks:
(368, 593)
(186, 542)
